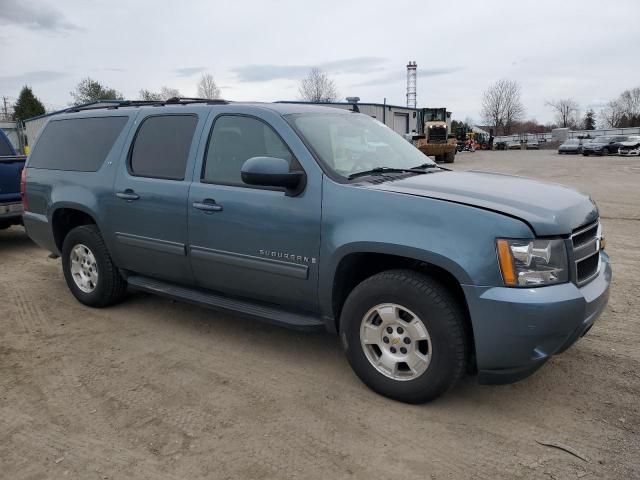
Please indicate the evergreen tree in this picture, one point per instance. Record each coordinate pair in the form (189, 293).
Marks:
(27, 105)
(589, 122)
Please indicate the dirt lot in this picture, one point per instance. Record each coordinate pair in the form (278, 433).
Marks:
(155, 389)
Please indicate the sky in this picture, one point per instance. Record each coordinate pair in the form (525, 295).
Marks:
(259, 50)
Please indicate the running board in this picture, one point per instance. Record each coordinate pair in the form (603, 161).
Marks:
(267, 313)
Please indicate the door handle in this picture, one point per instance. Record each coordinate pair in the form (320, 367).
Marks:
(128, 194)
(208, 205)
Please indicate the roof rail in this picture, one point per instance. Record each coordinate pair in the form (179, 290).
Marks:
(115, 104)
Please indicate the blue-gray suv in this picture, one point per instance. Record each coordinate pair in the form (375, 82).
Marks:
(313, 217)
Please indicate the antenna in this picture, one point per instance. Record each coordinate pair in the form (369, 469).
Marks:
(411, 84)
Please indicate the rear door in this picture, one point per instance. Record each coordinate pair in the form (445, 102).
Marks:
(149, 217)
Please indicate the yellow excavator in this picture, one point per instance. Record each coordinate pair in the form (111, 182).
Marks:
(433, 137)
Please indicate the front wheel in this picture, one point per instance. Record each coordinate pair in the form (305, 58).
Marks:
(450, 157)
(88, 269)
(404, 335)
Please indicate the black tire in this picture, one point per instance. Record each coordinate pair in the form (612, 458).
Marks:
(110, 287)
(585, 154)
(449, 157)
(440, 313)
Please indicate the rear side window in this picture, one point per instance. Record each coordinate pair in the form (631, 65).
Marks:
(77, 144)
(161, 146)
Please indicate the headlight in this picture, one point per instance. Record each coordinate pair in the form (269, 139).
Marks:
(530, 263)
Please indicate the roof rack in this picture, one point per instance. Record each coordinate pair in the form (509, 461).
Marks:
(115, 104)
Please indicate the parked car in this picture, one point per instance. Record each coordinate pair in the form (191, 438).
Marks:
(572, 145)
(532, 145)
(11, 166)
(604, 145)
(630, 147)
(268, 210)
(514, 145)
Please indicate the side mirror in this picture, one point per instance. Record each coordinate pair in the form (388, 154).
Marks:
(272, 172)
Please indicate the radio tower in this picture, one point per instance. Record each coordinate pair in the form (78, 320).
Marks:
(411, 84)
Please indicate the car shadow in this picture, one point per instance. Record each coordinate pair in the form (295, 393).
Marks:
(15, 238)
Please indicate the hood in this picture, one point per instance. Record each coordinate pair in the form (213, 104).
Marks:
(630, 143)
(549, 209)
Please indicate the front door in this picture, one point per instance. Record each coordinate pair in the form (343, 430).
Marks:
(247, 241)
(149, 213)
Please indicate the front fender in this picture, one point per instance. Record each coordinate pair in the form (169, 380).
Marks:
(457, 238)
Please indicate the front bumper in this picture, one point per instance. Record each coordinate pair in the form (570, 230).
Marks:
(629, 153)
(516, 330)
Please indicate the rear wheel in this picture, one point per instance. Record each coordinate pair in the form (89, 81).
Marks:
(404, 335)
(88, 269)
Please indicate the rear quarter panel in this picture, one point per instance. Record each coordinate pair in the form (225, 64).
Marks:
(49, 190)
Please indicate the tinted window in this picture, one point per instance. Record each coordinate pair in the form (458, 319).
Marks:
(5, 147)
(233, 141)
(161, 146)
(79, 144)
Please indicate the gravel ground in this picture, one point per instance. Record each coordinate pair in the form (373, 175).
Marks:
(153, 389)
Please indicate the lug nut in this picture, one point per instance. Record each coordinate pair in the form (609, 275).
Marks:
(406, 340)
(389, 330)
(385, 339)
(393, 349)
(400, 330)
(403, 350)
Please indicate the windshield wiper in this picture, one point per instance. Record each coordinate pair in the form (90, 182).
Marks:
(380, 170)
(424, 166)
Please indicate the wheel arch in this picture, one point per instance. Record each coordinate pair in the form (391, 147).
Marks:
(64, 217)
(356, 265)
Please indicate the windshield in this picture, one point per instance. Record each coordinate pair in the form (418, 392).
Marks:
(572, 142)
(434, 114)
(602, 140)
(352, 143)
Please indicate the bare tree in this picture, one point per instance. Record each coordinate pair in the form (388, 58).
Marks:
(317, 87)
(148, 95)
(165, 93)
(513, 108)
(629, 102)
(207, 87)
(501, 105)
(624, 111)
(566, 110)
(612, 114)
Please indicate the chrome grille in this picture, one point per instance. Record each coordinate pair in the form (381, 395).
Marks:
(586, 252)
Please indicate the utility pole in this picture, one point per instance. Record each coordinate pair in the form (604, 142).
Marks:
(6, 112)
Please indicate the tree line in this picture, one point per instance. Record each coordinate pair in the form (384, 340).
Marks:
(316, 87)
(502, 109)
(502, 106)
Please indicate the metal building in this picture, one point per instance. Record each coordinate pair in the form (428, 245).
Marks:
(400, 119)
